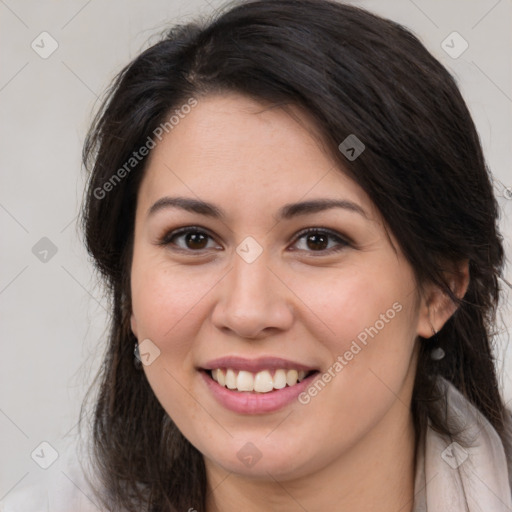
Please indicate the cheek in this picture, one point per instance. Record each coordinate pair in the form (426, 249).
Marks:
(367, 320)
(165, 306)
(164, 300)
(349, 303)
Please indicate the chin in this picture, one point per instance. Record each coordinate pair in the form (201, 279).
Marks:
(255, 460)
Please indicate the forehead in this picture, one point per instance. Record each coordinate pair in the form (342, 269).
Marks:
(231, 146)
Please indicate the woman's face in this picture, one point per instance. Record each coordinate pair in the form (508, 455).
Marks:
(241, 280)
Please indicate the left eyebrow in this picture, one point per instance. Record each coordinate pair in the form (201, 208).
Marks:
(317, 205)
(288, 211)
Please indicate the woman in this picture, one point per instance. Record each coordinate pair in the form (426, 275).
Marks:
(292, 211)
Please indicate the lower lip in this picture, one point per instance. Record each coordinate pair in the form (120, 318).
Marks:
(248, 402)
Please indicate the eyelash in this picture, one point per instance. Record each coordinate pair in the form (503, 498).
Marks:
(341, 240)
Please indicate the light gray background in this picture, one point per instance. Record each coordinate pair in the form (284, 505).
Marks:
(53, 314)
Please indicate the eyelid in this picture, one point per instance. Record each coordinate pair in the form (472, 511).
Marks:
(319, 229)
(166, 237)
(342, 240)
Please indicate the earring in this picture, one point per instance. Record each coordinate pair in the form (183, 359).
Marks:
(136, 360)
(437, 353)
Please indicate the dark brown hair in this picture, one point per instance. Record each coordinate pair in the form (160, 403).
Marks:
(354, 73)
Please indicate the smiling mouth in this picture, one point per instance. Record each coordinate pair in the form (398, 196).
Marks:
(264, 381)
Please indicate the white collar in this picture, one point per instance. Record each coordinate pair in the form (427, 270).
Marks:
(451, 477)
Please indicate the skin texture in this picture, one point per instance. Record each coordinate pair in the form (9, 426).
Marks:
(352, 446)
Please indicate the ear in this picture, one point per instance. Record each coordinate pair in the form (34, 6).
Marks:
(436, 307)
(133, 324)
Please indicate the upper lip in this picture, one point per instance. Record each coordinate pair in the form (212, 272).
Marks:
(255, 365)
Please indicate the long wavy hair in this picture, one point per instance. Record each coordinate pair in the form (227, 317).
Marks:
(423, 167)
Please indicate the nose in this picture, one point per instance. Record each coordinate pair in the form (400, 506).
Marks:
(252, 300)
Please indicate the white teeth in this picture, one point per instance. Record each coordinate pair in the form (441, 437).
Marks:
(244, 381)
(291, 377)
(230, 379)
(221, 377)
(261, 382)
(280, 379)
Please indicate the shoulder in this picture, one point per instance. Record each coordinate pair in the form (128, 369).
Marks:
(64, 487)
(473, 465)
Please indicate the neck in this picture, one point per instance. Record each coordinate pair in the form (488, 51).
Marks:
(375, 474)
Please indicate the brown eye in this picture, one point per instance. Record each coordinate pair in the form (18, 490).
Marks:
(320, 240)
(317, 241)
(196, 240)
(188, 239)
